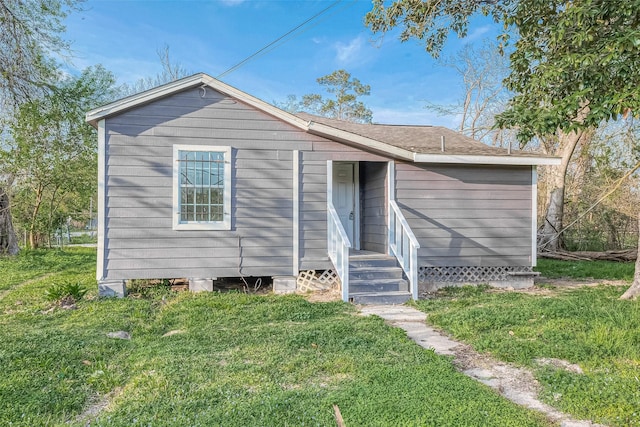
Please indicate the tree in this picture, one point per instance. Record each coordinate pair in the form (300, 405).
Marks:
(8, 241)
(171, 71)
(291, 105)
(634, 290)
(594, 171)
(573, 65)
(51, 152)
(29, 32)
(345, 104)
(482, 71)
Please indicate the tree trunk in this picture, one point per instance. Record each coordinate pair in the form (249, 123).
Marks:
(634, 290)
(33, 240)
(550, 237)
(8, 240)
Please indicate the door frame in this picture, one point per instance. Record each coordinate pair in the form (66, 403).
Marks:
(356, 196)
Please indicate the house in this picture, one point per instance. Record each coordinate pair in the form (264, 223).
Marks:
(200, 180)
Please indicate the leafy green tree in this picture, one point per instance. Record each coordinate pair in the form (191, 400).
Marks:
(30, 31)
(51, 153)
(573, 65)
(344, 105)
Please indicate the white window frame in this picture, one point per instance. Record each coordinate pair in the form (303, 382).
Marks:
(225, 224)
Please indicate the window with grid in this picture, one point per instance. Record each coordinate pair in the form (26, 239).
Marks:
(201, 187)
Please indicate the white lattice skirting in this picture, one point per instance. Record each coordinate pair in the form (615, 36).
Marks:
(468, 274)
(311, 280)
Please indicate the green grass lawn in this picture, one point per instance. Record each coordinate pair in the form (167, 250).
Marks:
(588, 326)
(605, 270)
(232, 359)
(32, 264)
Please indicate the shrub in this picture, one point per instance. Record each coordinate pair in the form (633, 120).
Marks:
(68, 292)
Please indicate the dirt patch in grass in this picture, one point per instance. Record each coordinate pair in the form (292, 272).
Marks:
(547, 286)
(97, 406)
(328, 295)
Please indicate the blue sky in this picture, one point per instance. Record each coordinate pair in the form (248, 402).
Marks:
(213, 36)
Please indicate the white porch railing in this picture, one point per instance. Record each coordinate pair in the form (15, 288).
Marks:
(404, 246)
(338, 246)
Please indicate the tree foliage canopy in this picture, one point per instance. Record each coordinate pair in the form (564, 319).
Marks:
(50, 152)
(29, 34)
(574, 64)
(345, 104)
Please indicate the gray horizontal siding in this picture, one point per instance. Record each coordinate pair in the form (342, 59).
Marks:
(313, 199)
(202, 243)
(467, 215)
(165, 235)
(462, 215)
(374, 204)
(140, 242)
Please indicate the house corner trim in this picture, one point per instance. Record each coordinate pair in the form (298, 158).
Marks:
(296, 212)
(102, 200)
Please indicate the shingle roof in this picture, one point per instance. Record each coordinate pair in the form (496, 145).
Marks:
(418, 138)
(420, 144)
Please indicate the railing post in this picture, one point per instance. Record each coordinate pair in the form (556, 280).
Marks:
(404, 246)
(338, 248)
(413, 275)
(345, 270)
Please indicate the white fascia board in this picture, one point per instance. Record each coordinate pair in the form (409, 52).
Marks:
(485, 160)
(94, 116)
(254, 102)
(354, 139)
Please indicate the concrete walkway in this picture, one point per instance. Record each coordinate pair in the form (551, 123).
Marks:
(516, 384)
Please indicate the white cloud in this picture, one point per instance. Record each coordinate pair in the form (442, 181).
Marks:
(232, 2)
(350, 52)
(478, 33)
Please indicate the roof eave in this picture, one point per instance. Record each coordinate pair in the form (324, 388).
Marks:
(358, 140)
(486, 160)
(94, 116)
(255, 102)
(97, 114)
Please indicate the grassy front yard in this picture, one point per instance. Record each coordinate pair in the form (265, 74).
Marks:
(587, 326)
(216, 359)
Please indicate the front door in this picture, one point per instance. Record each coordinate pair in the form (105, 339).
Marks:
(344, 198)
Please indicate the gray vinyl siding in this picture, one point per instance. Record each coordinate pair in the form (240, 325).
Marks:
(313, 198)
(139, 239)
(462, 215)
(373, 179)
(468, 215)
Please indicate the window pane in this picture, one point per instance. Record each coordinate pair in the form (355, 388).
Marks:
(201, 192)
(216, 196)
(198, 174)
(187, 213)
(216, 213)
(202, 196)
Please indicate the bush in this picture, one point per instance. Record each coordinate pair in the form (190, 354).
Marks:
(68, 292)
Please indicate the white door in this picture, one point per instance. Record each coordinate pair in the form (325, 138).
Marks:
(344, 193)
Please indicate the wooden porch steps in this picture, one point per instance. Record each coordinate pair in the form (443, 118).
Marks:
(376, 279)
